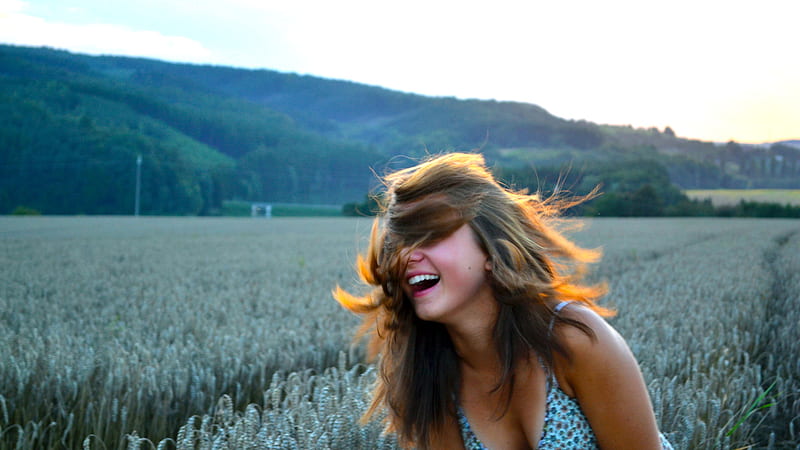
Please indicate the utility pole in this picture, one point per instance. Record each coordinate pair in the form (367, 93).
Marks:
(138, 183)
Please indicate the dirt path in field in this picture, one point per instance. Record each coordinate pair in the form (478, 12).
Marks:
(780, 337)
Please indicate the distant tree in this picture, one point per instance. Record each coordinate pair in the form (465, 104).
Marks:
(645, 202)
(25, 211)
(691, 208)
(669, 132)
(608, 205)
(369, 207)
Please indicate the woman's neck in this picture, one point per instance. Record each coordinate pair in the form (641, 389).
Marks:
(473, 340)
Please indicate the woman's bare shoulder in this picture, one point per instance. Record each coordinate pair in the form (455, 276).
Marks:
(602, 333)
(592, 352)
(603, 375)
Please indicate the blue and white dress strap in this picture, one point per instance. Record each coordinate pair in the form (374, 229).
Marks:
(561, 306)
(557, 310)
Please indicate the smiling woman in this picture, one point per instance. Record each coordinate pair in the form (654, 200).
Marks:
(485, 337)
(447, 281)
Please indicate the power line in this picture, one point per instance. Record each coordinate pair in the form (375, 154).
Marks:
(138, 183)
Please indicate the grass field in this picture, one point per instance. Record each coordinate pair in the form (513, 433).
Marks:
(720, 197)
(222, 333)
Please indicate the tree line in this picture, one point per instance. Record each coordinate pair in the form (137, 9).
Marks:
(629, 188)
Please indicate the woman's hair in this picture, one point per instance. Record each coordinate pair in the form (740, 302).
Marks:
(531, 265)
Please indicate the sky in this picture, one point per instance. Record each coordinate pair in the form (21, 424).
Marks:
(715, 70)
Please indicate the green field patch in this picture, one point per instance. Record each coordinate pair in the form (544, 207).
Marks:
(720, 197)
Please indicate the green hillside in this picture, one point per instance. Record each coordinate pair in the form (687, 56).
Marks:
(72, 127)
(72, 130)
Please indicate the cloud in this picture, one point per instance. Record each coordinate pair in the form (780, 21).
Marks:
(17, 27)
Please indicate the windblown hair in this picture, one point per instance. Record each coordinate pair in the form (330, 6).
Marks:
(531, 265)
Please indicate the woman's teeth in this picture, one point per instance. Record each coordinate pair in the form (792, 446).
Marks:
(416, 279)
(420, 282)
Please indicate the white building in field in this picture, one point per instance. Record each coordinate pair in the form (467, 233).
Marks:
(261, 210)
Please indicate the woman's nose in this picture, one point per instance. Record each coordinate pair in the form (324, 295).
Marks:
(414, 256)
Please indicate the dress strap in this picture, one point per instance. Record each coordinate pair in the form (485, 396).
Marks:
(561, 306)
(552, 381)
(557, 310)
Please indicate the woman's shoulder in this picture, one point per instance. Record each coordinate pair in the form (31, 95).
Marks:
(601, 350)
(603, 376)
(575, 339)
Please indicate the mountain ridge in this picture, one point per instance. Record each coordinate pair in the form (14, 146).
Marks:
(214, 133)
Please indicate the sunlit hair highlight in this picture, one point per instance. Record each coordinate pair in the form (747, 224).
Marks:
(532, 264)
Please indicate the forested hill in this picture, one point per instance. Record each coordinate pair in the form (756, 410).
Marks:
(72, 127)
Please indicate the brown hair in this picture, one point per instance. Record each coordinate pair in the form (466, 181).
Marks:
(531, 262)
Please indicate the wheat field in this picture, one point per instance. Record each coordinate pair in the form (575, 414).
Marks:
(201, 333)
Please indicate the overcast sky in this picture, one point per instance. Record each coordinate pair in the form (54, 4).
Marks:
(711, 70)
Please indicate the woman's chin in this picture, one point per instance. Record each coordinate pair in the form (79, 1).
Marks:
(426, 313)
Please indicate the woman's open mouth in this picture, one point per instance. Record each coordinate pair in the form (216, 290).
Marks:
(421, 283)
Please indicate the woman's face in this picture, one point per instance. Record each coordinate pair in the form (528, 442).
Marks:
(447, 281)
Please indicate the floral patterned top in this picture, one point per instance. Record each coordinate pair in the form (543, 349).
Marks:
(565, 425)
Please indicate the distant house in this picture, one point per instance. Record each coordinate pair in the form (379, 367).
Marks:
(261, 210)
